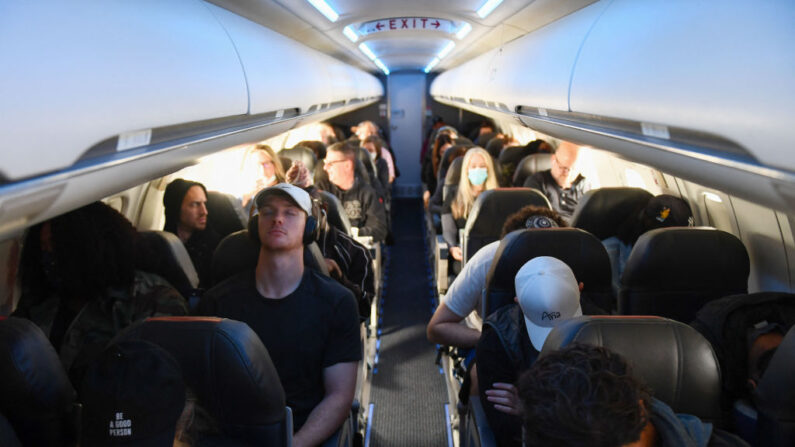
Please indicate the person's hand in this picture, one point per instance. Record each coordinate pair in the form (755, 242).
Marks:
(298, 174)
(456, 253)
(333, 269)
(426, 197)
(505, 398)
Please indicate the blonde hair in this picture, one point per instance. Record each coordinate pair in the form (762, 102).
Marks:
(465, 197)
(281, 177)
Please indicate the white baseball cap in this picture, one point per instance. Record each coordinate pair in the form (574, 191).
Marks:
(298, 195)
(548, 294)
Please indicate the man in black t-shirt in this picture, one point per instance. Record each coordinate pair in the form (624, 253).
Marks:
(309, 323)
(562, 183)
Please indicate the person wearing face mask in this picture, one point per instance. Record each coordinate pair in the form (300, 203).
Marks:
(477, 175)
(261, 169)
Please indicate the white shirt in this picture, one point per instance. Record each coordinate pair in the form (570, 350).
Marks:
(465, 295)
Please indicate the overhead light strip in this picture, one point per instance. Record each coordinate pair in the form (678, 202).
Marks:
(369, 53)
(431, 64)
(325, 9)
(463, 31)
(446, 50)
(487, 8)
(350, 33)
(381, 65)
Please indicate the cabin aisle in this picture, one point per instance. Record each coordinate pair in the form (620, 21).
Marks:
(408, 390)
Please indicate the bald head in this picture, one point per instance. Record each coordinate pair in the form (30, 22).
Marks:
(564, 161)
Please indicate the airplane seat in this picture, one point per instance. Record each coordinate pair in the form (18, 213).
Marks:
(229, 369)
(775, 397)
(222, 216)
(238, 252)
(285, 161)
(489, 212)
(529, 165)
(672, 358)
(162, 253)
(509, 160)
(602, 211)
(581, 251)
(336, 215)
(302, 154)
(672, 272)
(452, 178)
(8, 437)
(35, 393)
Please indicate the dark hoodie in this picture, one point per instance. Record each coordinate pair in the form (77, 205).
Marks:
(201, 244)
(684, 430)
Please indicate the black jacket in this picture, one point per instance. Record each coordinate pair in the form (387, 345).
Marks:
(363, 208)
(356, 264)
(563, 200)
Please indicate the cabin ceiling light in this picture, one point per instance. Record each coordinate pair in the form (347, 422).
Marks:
(431, 64)
(325, 9)
(463, 31)
(367, 51)
(446, 50)
(381, 65)
(350, 33)
(487, 8)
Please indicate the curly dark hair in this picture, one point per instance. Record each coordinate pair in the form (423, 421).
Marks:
(516, 221)
(582, 395)
(93, 248)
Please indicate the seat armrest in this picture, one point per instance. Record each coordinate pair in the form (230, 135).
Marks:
(441, 253)
(478, 431)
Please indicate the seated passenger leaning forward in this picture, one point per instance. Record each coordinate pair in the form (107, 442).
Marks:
(308, 322)
(585, 395)
(546, 295)
(562, 184)
(359, 200)
(186, 216)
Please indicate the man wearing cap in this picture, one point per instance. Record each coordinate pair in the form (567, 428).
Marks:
(547, 293)
(308, 322)
(186, 216)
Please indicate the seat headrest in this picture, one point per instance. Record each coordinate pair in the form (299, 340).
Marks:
(361, 172)
(682, 258)
(224, 363)
(581, 251)
(286, 162)
(336, 215)
(671, 357)
(529, 165)
(492, 208)
(601, 211)
(162, 253)
(302, 154)
(512, 154)
(453, 175)
(35, 393)
(775, 395)
(221, 214)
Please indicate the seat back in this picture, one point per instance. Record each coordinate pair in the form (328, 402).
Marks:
(601, 211)
(671, 357)
(489, 213)
(529, 165)
(35, 393)
(221, 214)
(227, 366)
(301, 153)
(334, 212)
(775, 397)
(162, 253)
(285, 161)
(581, 251)
(673, 272)
(509, 159)
(452, 177)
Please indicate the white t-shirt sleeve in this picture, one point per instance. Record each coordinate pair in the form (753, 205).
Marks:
(465, 294)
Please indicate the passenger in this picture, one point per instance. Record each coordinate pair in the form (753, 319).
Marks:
(480, 176)
(367, 129)
(587, 396)
(359, 200)
(80, 285)
(374, 146)
(261, 168)
(186, 216)
(308, 322)
(133, 394)
(317, 147)
(547, 293)
(463, 299)
(539, 147)
(660, 212)
(562, 183)
(450, 154)
(484, 127)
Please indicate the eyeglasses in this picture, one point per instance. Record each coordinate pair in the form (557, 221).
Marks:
(332, 163)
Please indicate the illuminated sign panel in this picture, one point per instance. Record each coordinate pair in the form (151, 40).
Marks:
(408, 23)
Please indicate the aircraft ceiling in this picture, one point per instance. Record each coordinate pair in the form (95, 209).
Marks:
(408, 42)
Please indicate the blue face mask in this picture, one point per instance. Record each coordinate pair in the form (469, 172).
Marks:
(477, 176)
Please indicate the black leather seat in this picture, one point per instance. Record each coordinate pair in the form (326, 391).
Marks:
(221, 214)
(162, 253)
(671, 357)
(35, 393)
(334, 211)
(302, 154)
(452, 178)
(673, 272)
(601, 211)
(529, 165)
(227, 366)
(238, 252)
(775, 397)
(489, 213)
(285, 161)
(8, 437)
(581, 251)
(509, 159)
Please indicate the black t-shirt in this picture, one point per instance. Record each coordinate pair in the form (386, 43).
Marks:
(314, 327)
(201, 246)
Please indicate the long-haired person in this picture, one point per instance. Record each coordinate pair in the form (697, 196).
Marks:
(477, 175)
(261, 169)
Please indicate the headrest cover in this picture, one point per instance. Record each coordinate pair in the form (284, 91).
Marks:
(671, 357)
(132, 393)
